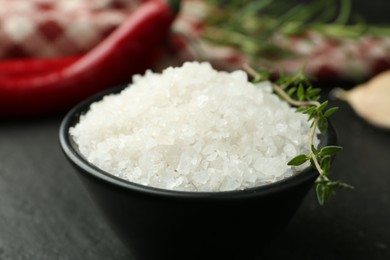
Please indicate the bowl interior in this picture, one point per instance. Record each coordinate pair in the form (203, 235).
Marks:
(72, 152)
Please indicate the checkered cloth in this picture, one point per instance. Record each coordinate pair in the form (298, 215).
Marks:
(52, 28)
(49, 28)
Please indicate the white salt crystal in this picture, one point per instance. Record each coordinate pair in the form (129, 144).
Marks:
(200, 177)
(290, 150)
(229, 183)
(193, 128)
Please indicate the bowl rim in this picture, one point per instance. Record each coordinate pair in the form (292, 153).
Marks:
(68, 147)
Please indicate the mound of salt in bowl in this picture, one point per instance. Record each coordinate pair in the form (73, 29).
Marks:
(192, 128)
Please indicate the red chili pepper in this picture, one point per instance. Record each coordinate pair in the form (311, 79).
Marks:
(34, 66)
(130, 49)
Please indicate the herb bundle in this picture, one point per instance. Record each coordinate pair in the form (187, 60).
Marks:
(254, 27)
(297, 91)
(334, 43)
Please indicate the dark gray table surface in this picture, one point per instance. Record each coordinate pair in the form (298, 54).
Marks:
(45, 212)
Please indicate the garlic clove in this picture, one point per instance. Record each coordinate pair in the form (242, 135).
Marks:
(370, 100)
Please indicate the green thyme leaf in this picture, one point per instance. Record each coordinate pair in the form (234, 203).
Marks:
(322, 124)
(324, 192)
(314, 150)
(312, 113)
(262, 76)
(330, 111)
(316, 98)
(291, 91)
(330, 150)
(322, 106)
(302, 109)
(301, 93)
(313, 92)
(342, 185)
(306, 110)
(298, 160)
(325, 163)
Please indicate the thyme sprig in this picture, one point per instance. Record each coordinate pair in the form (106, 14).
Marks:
(298, 92)
(252, 26)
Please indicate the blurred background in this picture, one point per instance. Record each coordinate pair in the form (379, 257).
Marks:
(375, 11)
(203, 30)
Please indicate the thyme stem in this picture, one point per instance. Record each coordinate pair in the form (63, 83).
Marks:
(291, 101)
(312, 155)
(307, 103)
(280, 90)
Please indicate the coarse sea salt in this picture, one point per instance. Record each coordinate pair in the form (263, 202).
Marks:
(192, 128)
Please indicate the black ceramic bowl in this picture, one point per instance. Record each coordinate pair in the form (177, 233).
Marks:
(162, 224)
